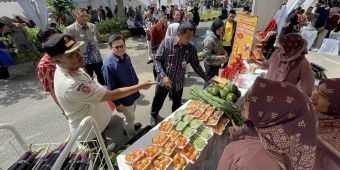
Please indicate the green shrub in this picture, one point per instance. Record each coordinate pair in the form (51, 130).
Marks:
(209, 13)
(125, 33)
(20, 57)
(60, 27)
(104, 38)
(32, 32)
(110, 26)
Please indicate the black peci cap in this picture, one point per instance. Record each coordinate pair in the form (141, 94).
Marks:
(61, 44)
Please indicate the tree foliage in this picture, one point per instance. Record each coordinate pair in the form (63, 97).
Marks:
(62, 7)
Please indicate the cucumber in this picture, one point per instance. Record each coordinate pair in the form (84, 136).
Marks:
(230, 110)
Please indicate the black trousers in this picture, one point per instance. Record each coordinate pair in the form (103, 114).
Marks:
(228, 50)
(160, 95)
(137, 31)
(210, 71)
(96, 68)
(154, 72)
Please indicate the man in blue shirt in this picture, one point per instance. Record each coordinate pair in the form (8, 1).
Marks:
(118, 72)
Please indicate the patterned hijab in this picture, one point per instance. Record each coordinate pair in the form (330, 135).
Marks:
(329, 123)
(333, 89)
(285, 122)
(293, 47)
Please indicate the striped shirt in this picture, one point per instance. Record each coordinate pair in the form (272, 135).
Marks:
(171, 62)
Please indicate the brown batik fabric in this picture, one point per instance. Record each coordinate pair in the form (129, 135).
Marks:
(329, 123)
(285, 122)
(293, 47)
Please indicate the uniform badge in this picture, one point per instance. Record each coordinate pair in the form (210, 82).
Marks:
(84, 88)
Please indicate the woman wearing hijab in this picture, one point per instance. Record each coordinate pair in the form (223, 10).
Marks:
(212, 46)
(326, 102)
(171, 30)
(284, 120)
(289, 64)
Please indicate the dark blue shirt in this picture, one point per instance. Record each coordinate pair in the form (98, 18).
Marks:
(119, 73)
(322, 17)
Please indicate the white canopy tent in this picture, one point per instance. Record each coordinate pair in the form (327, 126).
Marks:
(267, 10)
(308, 3)
(35, 10)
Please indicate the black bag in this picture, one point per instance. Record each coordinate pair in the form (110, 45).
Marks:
(4, 72)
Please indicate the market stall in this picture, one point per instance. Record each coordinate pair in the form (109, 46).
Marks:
(197, 131)
(194, 133)
(309, 34)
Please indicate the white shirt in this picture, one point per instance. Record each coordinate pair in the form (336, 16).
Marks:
(80, 97)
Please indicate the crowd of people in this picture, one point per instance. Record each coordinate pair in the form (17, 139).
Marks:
(324, 17)
(288, 124)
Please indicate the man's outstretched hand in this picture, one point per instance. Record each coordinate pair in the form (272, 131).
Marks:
(147, 84)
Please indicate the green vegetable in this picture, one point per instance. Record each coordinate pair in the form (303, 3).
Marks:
(223, 94)
(231, 97)
(188, 132)
(208, 89)
(230, 111)
(238, 93)
(187, 118)
(175, 119)
(205, 134)
(199, 144)
(214, 91)
(180, 125)
(179, 112)
(225, 88)
(195, 123)
(232, 88)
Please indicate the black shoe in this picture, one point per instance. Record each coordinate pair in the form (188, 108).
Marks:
(149, 62)
(136, 125)
(153, 121)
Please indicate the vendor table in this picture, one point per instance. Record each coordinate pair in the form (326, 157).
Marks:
(211, 152)
(330, 46)
(209, 156)
(309, 35)
(334, 35)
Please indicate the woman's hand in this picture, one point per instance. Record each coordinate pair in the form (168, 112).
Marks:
(233, 129)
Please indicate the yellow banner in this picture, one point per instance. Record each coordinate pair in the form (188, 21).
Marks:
(244, 35)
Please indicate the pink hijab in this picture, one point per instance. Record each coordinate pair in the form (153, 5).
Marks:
(285, 122)
(293, 49)
(329, 123)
